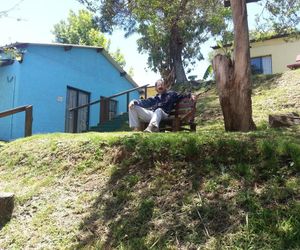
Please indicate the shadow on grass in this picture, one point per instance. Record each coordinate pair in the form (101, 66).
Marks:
(151, 206)
(162, 203)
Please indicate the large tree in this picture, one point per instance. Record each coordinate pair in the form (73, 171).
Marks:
(82, 29)
(171, 31)
(234, 75)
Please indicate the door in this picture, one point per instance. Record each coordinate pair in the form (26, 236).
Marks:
(77, 120)
(108, 109)
(7, 92)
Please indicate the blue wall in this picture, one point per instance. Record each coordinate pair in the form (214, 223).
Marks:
(44, 75)
(8, 97)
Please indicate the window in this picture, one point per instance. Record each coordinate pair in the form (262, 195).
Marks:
(261, 65)
(112, 109)
(108, 109)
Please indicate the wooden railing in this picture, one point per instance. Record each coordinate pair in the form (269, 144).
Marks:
(28, 117)
(103, 115)
(113, 96)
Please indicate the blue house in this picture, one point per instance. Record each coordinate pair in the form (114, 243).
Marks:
(54, 78)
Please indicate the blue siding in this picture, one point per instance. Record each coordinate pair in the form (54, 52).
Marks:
(8, 98)
(44, 75)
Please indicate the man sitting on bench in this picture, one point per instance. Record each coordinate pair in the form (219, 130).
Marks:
(154, 109)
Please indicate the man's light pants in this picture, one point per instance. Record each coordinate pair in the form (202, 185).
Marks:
(137, 114)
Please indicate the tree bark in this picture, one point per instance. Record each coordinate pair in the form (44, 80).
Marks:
(176, 49)
(6, 207)
(234, 77)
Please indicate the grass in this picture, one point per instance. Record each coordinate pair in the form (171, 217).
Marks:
(272, 94)
(141, 191)
(204, 190)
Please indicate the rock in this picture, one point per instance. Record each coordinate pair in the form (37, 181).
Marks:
(284, 120)
(6, 207)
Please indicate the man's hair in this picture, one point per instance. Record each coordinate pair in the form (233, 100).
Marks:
(159, 81)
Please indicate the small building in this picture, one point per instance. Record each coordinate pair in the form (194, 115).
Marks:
(151, 91)
(272, 55)
(54, 78)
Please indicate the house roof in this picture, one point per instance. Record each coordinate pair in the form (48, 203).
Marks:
(257, 40)
(70, 46)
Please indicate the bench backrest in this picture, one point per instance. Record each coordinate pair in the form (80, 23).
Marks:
(185, 110)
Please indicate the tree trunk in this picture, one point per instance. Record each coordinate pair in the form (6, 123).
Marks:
(6, 207)
(234, 78)
(168, 76)
(179, 70)
(176, 48)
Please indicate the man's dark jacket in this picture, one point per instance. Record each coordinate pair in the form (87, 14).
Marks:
(165, 101)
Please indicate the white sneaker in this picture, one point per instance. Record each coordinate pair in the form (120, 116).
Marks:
(151, 129)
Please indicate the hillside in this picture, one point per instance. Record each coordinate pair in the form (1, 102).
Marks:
(272, 94)
(209, 190)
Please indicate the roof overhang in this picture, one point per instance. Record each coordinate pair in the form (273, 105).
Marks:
(257, 40)
(5, 62)
(67, 47)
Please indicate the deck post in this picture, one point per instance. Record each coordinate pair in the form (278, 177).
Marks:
(146, 92)
(127, 102)
(28, 121)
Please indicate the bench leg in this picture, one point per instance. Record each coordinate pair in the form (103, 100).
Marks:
(176, 125)
(143, 126)
(193, 127)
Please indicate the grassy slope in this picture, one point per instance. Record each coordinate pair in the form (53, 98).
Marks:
(271, 95)
(211, 189)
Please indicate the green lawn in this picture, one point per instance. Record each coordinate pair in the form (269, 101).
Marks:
(205, 190)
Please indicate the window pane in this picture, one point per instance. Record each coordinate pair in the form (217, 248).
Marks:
(267, 65)
(256, 65)
(261, 65)
(112, 109)
(82, 120)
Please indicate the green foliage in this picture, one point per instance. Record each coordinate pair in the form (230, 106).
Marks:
(279, 16)
(208, 72)
(119, 57)
(268, 150)
(168, 30)
(11, 53)
(293, 149)
(81, 29)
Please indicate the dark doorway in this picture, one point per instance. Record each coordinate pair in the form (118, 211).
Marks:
(108, 109)
(77, 120)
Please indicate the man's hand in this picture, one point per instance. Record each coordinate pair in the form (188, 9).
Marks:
(131, 104)
(195, 97)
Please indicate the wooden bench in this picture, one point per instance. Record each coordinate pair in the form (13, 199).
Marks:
(181, 117)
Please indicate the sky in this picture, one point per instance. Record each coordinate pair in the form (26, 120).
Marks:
(33, 21)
